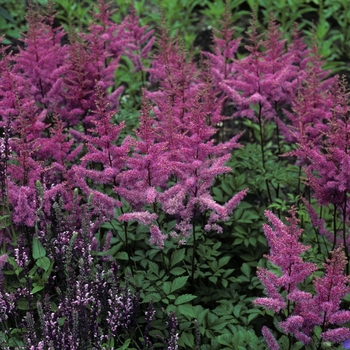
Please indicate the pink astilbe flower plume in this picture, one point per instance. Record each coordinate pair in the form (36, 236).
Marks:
(221, 61)
(285, 253)
(270, 339)
(301, 311)
(331, 289)
(175, 160)
(263, 78)
(312, 104)
(148, 167)
(42, 62)
(104, 159)
(325, 155)
(140, 41)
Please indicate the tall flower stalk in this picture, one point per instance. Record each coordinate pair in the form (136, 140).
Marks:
(300, 312)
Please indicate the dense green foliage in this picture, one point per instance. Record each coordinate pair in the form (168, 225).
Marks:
(209, 283)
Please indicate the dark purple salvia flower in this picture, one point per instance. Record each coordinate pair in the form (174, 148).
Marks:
(172, 325)
(149, 314)
(7, 300)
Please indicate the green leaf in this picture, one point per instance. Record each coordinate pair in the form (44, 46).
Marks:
(61, 321)
(38, 249)
(177, 256)
(225, 339)
(166, 287)
(187, 310)
(186, 340)
(178, 283)
(110, 252)
(237, 310)
(125, 346)
(184, 298)
(246, 269)
(213, 279)
(223, 261)
(153, 267)
(23, 305)
(177, 271)
(253, 315)
(36, 289)
(122, 256)
(44, 263)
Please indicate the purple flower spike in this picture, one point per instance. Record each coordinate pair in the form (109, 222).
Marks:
(346, 344)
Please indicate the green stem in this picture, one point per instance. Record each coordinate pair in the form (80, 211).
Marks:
(262, 146)
(194, 246)
(334, 226)
(344, 233)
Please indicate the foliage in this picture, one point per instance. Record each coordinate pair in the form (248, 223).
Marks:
(131, 218)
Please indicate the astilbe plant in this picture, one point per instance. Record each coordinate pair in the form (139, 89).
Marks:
(311, 105)
(139, 41)
(300, 312)
(326, 160)
(265, 78)
(176, 152)
(46, 90)
(104, 159)
(93, 59)
(260, 86)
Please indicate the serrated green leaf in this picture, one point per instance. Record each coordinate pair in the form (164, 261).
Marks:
(187, 310)
(178, 283)
(252, 316)
(213, 279)
(201, 316)
(246, 269)
(177, 271)
(186, 340)
(237, 310)
(184, 298)
(61, 321)
(223, 261)
(225, 339)
(177, 256)
(121, 256)
(227, 188)
(23, 305)
(166, 287)
(153, 267)
(154, 297)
